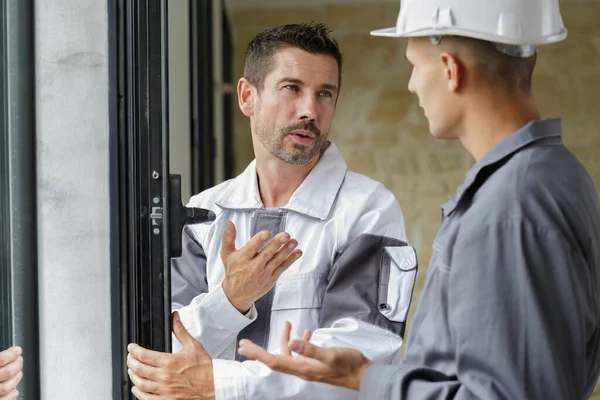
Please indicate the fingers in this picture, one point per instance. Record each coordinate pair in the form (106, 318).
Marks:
(142, 370)
(180, 332)
(276, 250)
(228, 243)
(285, 339)
(275, 256)
(137, 393)
(301, 367)
(145, 396)
(291, 258)
(149, 357)
(145, 388)
(251, 248)
(11, 369)
(253, 351)
(307, 335)
(159, 359)
(187, 340)
(11, 396)
(272, 248)
(306, 349)
(6, 388)
(9, 355)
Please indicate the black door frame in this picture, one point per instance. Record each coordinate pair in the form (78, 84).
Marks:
(19, 314)
(202, 78)
(140, 181)
(148, 216)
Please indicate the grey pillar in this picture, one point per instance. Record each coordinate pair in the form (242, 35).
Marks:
(72, 117)
(18, 263)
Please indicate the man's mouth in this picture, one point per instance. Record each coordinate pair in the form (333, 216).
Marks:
(303, 134)
(302, 137)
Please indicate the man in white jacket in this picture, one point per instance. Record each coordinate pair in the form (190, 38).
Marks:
(242, 277)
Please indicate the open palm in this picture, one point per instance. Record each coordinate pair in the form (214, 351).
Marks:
(337, 366)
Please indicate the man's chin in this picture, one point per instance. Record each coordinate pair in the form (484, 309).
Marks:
(299, 147)
(298, 157)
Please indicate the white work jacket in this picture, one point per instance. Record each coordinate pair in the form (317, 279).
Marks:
(352, 286)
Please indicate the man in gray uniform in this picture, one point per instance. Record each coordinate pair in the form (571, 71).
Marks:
(511, 305)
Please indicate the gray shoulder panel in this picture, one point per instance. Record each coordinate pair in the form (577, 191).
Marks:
(358, 284)
(188, 273)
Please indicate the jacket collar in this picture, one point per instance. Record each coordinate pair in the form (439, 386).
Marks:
(314, 197)
(532, 132)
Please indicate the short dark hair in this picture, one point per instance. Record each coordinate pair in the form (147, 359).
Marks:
(508, 72)
(313, 38)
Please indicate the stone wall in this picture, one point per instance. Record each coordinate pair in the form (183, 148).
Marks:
(382, 132)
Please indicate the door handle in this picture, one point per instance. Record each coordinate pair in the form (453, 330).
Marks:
(181, 215)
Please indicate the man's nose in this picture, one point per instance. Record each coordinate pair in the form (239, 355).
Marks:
(308, 108)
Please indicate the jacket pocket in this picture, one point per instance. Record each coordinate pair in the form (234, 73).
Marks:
(299, 291)
(396, 282)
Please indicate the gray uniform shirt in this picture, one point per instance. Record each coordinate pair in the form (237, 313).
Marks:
(511, 305)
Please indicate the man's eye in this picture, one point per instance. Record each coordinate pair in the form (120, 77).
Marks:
(292, 87)
(325, 93)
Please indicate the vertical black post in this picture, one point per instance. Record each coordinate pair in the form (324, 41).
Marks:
(202, 141)
(118, 222)
(6, 311)
(164, 162)
(147, 199)
(228, 98)
(18, 232)
(142, 175)
(145, 114)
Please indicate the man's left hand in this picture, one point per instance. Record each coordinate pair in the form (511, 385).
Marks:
(336, 366)
(166, 376)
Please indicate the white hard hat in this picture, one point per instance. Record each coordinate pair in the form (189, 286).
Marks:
(525, 23)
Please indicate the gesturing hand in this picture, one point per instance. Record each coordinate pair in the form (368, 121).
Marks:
(250, 272)
(336, 366)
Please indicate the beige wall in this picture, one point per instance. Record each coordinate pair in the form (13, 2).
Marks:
(381, 130)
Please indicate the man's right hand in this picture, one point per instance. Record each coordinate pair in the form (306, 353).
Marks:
(250, 273)
(11, 366)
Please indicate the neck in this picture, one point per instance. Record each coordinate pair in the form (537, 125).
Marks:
(493, 118)
(278, 180)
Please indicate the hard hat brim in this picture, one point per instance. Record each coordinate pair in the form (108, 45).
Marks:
(393, 32)
(388, 32)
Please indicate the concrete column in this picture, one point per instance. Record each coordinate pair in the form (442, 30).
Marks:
(71, 42)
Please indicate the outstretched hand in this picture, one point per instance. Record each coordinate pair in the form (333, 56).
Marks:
(336, 366)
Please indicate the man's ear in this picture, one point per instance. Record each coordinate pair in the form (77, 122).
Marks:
(246, 96)
(453, 71)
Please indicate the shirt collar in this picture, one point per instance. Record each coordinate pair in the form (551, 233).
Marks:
(533, 131)
(314, 197)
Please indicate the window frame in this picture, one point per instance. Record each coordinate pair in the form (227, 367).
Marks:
(19, 313)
